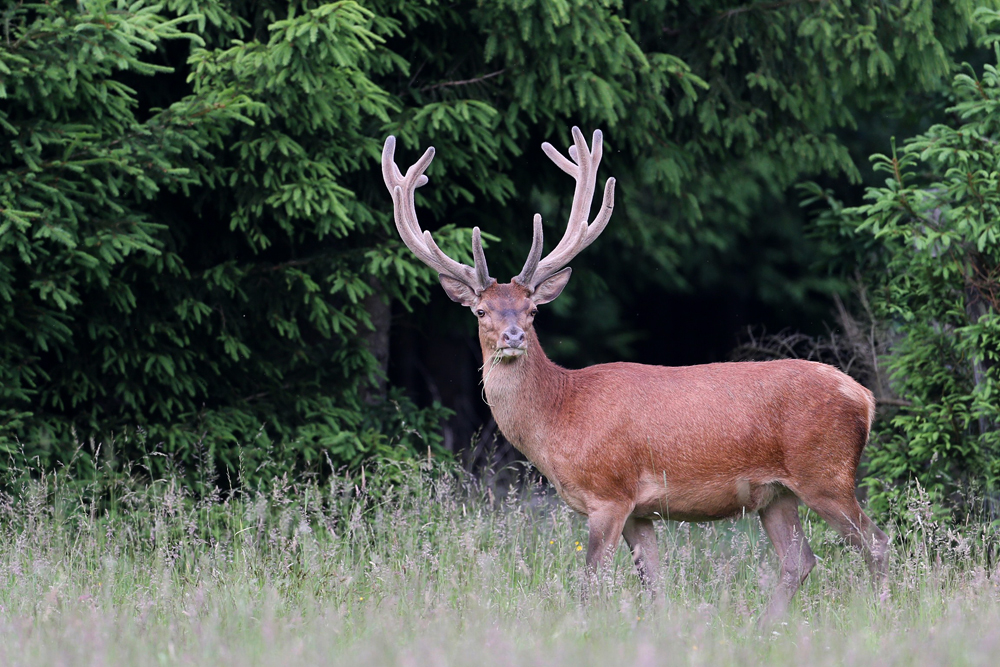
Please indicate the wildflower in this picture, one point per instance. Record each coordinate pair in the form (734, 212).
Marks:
(578, 547)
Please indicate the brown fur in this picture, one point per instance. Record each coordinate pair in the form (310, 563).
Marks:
(626, 441)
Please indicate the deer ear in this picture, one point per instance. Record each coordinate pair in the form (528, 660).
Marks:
(458, 291)
(551, 287)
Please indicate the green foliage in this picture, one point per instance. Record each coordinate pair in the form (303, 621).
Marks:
(785, 80)
(711, 111)
(195, 235)
(934, 228)
(197, 272)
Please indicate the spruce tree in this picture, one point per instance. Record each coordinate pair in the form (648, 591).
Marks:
(932, 244)
(197, 253)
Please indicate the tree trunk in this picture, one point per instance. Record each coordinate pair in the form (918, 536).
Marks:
(975, 307)
(377, 340)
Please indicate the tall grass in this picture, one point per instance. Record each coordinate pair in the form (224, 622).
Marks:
(425, 566)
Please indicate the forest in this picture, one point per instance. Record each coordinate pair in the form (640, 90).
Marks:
(199, 263)
(241, 422)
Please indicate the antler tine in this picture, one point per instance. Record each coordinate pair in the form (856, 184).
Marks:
(479, 257)
(528, 272)
(579, 234)
(601, 221)
(420, 242)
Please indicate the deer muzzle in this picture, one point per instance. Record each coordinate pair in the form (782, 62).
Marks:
(512, 342)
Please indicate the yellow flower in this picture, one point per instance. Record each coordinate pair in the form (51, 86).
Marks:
(552, 541)
(578, 547)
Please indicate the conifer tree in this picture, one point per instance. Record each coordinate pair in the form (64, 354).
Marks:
(932, 244)
(192, 277)
(196, 249)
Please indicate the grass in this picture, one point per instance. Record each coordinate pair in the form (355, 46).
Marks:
(425, 567)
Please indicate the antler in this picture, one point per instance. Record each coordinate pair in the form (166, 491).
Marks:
(579, 234)
(420, 242)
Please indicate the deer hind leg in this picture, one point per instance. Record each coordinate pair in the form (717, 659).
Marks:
(641, 538)
(845, 515)
(781, 523)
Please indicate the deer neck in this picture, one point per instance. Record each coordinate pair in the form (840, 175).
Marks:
(523, 393)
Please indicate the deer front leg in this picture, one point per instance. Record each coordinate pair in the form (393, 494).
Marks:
(795, 559)
(605, 525)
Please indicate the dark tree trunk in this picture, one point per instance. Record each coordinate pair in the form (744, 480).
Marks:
(377, 340)
(975, 307)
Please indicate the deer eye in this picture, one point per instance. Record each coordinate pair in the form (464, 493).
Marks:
(534, 311)
(480, 313)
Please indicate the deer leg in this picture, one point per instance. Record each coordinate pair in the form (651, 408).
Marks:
(605, 527)
(641, 538)
(860, 532)
(781, 523)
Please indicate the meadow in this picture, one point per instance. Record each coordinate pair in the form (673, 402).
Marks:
(418, 564)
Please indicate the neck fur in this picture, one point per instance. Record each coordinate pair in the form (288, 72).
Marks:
(522, 393)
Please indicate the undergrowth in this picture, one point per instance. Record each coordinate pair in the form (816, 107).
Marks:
(416, 563)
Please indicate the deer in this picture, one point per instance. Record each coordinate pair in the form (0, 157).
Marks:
(626, 444)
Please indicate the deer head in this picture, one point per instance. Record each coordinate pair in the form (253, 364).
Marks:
(505, 311)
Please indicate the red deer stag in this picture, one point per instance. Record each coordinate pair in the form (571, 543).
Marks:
(627, 443)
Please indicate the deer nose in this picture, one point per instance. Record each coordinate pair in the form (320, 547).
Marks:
(513, 337)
